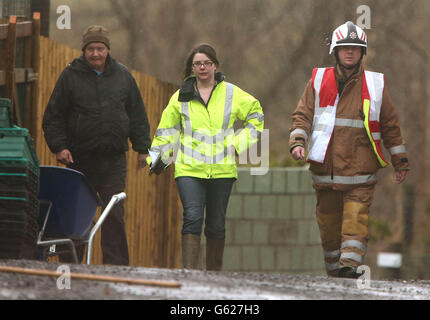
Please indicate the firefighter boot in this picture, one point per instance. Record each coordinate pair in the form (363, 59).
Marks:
(214, 253)
(348, 272)
(190, 250)
(354, 238)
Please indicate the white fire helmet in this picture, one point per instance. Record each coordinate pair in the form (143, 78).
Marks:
(348, 34)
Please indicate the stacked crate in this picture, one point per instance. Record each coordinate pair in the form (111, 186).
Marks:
(19, 188)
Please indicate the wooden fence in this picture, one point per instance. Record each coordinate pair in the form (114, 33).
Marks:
(153, 211)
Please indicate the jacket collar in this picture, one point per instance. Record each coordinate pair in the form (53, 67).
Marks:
(342, 82)
(355, 75)
(81, 64)
(188, 91)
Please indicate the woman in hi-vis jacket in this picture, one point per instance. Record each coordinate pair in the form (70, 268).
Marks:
(197, 128)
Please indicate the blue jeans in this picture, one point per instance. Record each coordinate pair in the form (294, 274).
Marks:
(196, 194)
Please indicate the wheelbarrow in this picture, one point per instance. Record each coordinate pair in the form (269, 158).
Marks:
(68, 206)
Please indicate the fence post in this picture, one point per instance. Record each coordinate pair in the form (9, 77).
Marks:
(36, 68)
(10, 63)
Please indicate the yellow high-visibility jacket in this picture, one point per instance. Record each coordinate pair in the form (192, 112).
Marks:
(201, 138)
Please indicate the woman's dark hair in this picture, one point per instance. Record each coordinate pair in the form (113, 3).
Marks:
(201, 48)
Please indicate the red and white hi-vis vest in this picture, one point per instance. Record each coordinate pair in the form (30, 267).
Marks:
(326, 100)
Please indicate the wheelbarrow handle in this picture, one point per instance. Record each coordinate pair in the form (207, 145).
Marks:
(120, 196)
(114, 200)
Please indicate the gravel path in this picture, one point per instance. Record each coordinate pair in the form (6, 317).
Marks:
(196, 285)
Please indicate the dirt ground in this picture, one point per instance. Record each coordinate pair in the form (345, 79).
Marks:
(196, 285)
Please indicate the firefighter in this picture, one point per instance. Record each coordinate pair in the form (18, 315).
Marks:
(344, 116)
(197, 127)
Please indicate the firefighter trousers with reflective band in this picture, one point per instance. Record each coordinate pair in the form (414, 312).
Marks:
(343, 222)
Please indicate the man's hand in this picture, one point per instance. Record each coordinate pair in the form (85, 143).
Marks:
(401, 175)
(141, 160)
(64, 157)
(298, 153)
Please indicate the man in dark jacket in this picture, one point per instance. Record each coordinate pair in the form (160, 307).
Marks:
(94, 108)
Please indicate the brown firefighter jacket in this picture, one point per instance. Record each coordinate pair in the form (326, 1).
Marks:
(350, 152)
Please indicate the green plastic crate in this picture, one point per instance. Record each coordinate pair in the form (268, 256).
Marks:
(18, 182)
(19, 165)
(17, 150)
(5, 113)
(17, 143)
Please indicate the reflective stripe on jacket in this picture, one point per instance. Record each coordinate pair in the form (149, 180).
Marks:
(372, 92)
(326, 100)
(202, 139)
(350, 157)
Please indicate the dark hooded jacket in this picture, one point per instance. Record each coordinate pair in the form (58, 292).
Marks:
(90, 113)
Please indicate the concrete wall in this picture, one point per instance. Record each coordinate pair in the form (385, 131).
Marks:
(271, 224)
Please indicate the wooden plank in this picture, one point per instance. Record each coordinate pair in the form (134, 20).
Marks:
(22, 75)
(92, 277)
(23, 29)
